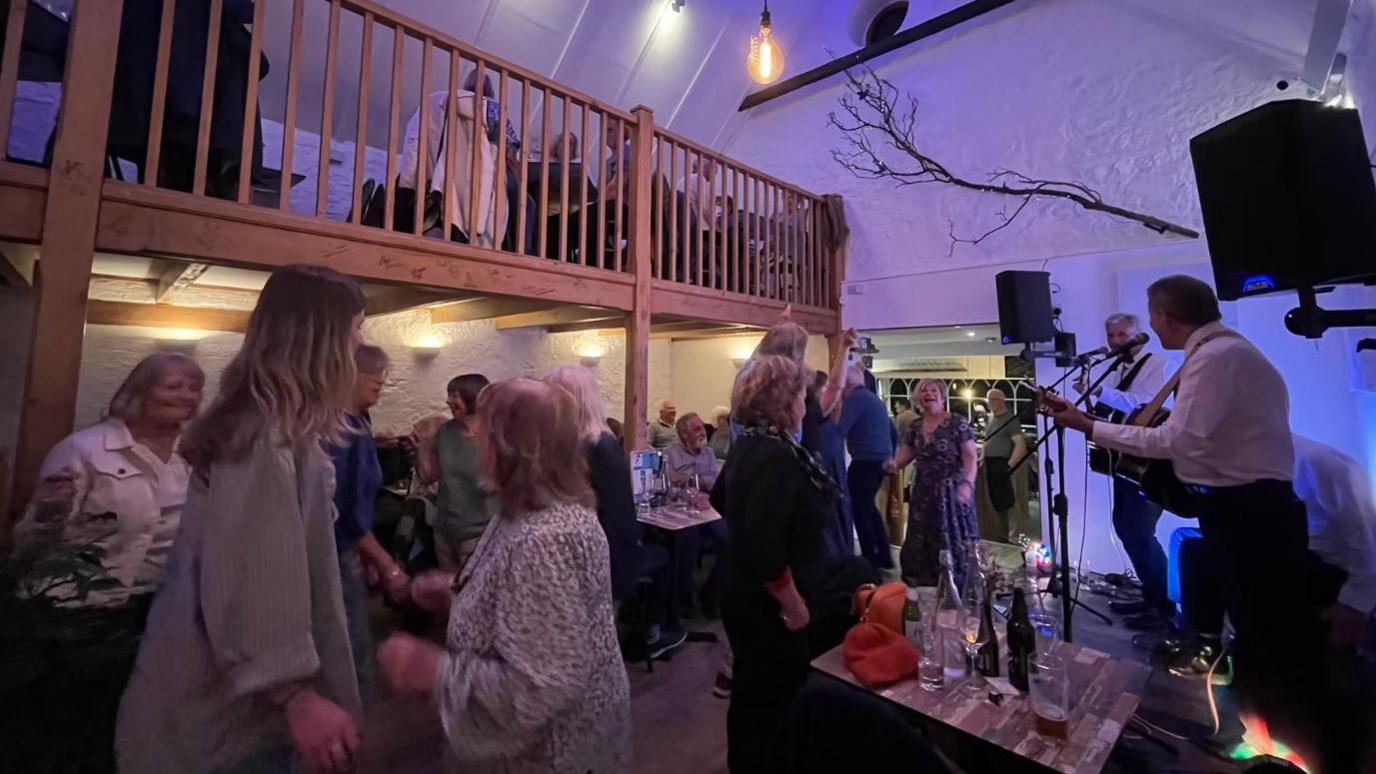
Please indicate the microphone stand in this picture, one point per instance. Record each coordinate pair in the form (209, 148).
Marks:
(1060, 506)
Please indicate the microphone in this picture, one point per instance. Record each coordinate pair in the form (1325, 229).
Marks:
(1118, 351)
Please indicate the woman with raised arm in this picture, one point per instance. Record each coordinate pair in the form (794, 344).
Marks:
(246, 666)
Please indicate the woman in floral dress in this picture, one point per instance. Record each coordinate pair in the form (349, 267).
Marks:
(941, 514)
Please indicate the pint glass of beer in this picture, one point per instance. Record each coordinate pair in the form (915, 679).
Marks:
(1050, 695)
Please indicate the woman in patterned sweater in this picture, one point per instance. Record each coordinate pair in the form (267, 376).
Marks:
(531, 679)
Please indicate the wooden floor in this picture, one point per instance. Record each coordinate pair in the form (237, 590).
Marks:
(681, 727)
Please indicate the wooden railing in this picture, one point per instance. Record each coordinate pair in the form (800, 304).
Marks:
(716, 224)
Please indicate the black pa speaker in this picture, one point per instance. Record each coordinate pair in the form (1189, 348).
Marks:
(1288, 198)
(1024, 306)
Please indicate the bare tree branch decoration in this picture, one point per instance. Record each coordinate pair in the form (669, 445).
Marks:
(871, 112)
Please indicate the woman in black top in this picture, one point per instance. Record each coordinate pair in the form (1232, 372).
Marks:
(777, 502)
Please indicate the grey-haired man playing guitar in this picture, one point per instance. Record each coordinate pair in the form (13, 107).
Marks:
(1135, 382)
(1228, 438)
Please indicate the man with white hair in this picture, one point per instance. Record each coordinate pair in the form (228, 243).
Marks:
(1136, 381)
(662, 431)
(1004, 448)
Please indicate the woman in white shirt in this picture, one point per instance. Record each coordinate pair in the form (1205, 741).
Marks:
(113, 492)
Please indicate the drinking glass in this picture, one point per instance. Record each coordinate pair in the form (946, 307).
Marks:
(1050, 693)
(1044, 631)
(931, 665)
(973, 635)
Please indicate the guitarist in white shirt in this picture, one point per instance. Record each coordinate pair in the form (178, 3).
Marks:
(1228, 438)
(1135, 382)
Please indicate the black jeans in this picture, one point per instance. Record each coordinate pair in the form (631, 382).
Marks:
(865, 477)
(1134, 521)
(771, 664)
(1260, 539)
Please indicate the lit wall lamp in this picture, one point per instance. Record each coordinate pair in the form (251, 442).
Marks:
(427, 345)
(179, 339)
(590, 356)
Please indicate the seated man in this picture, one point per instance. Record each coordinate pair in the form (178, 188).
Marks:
(687, 458)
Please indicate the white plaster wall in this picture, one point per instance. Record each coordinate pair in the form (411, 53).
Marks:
(1107, 93)
(416, 382)
(704, 369)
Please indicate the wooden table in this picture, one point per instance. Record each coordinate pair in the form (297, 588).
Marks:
(673, 519)
(1104, 693)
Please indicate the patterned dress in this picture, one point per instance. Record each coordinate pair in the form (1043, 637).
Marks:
(937, 519)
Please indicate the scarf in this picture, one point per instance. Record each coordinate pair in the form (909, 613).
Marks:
(811, 465)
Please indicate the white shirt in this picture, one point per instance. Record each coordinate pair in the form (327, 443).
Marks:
(1144, 386)
(1231, 421)
(1342, 517)
(128, 501)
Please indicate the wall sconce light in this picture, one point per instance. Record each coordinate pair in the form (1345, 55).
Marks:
(181, 340)
(590, 356)
(740, 361)
(427, 345)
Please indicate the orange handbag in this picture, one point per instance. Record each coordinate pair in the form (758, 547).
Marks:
(882, 605)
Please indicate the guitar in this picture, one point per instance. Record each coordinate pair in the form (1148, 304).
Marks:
(1154, 477)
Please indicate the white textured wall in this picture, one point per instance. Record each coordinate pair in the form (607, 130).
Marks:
(1107, 93)
(416, 384)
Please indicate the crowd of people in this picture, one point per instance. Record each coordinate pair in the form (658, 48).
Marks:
(229, 552)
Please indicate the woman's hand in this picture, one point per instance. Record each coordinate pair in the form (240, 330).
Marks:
(432, 591)
(965, 492)
(396, 584)
(795, 614)
(891, 466)
(409, 663)
(324, 734)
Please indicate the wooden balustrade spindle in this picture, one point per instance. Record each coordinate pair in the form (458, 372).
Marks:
(475, 172)
(451, 119)
(522, 246)
(623, 172)
(564, 158)
(657, 214)
(542, 214)
(689, 258)
(249, 142)
(671, 201)
(583, 181)
(322, 178)
(393, 115)
(298, 12)
(365, 59)
(599, 246)
(212, 56)
(9, 64)
(422, 140)
(499, 198)
(159, 104)
(700, 232)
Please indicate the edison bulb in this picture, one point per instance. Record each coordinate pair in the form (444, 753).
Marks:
(766, 62)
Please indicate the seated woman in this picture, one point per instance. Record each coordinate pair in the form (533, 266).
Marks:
(531, 677)
(778, 502)
(114, 491)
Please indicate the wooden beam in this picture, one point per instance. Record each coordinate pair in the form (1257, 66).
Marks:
(70, 216)
(591, 325)
(710, 305)
(945, 21)
(564, 315)
(198, 318)
(178, 277)
(640, 252)
(402, 299)
(485, 309)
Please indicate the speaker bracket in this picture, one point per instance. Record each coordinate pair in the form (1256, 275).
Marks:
(1311, 320)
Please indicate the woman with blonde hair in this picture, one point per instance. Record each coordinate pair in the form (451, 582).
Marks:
(778, 503)
(246, 666)
(941, 512)
(531, 678)
(113, 491)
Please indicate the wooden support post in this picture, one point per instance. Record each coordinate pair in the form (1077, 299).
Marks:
(638, 321)
(68, 247)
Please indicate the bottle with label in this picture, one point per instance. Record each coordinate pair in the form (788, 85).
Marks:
(947, 625)
(1021, 641)
(912, 618)
(987, 660)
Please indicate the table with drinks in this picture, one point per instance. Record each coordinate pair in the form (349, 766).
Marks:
(1017, 687)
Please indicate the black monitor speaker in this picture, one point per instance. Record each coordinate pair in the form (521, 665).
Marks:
(1024, 306)
(1288, 198)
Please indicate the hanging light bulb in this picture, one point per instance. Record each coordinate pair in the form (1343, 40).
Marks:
(766, 62)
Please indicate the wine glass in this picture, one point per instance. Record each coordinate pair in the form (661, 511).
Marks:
(973, 635)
